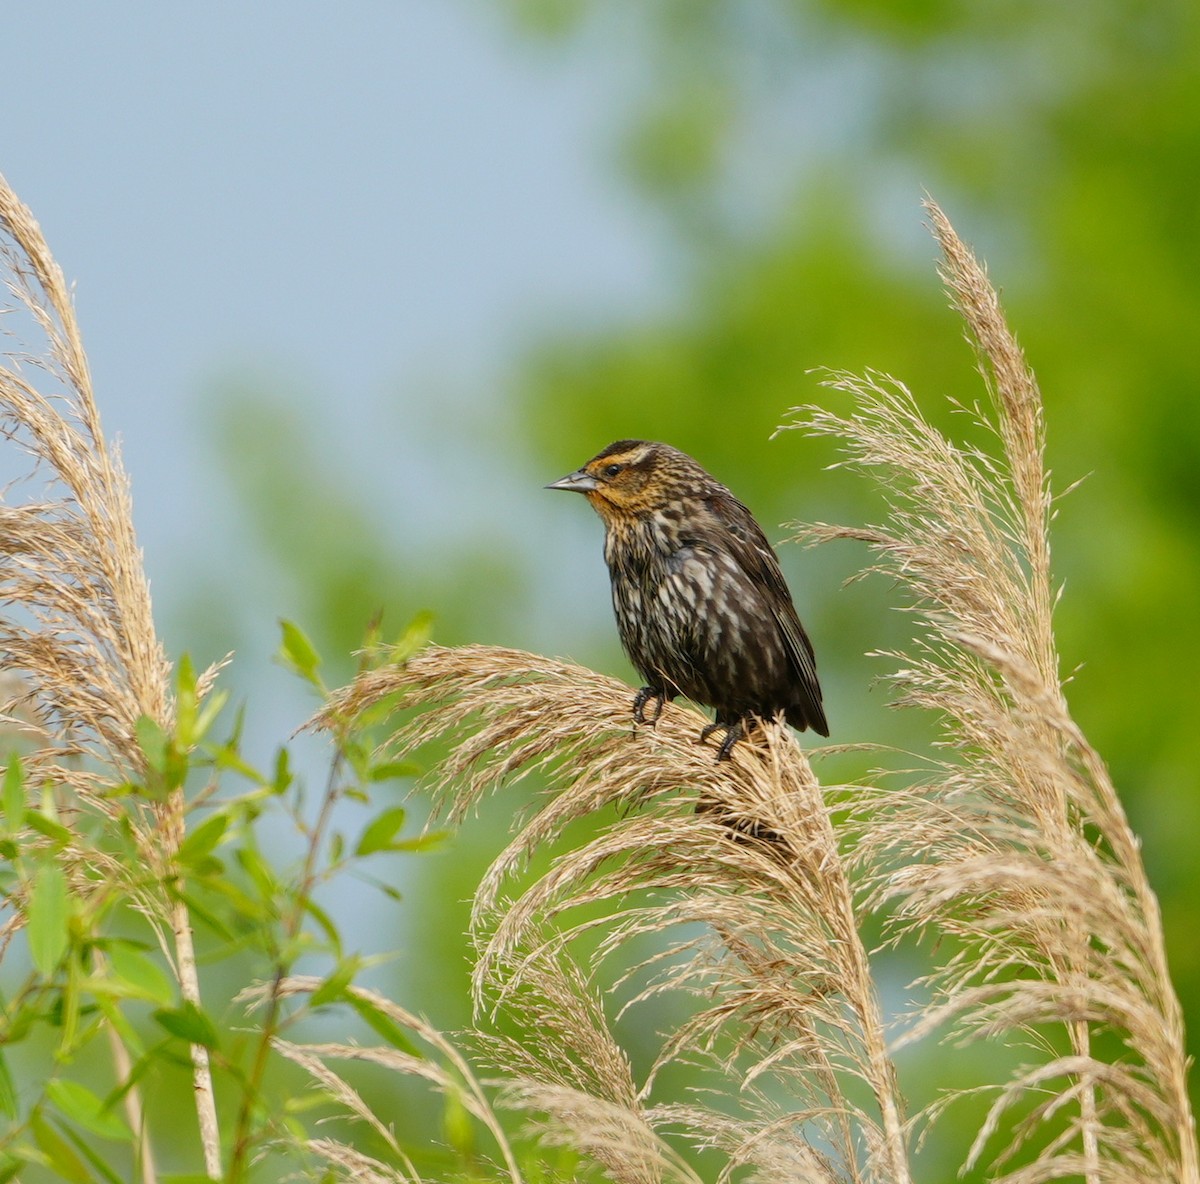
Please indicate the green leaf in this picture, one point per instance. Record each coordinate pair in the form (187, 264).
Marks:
(14, 794)
(48, 915)
(58, 1151)
(81, 1106)
(227, 757)
(193, 717)
(415, 636)
(189, 1023)
(426, 842)
(145, 1062)
(8, 1094)
(207, 867)
(200, 912)
(357, 755)
(122, 789)
(140, 976)
(283, 771)
(204, 838)
(9, 1167)
(383, 1024)
(73, 1006)
(456, 1123)
(108, 1004)
(259, 871)
(153, 742)
(92, 1156)
(213, 705)
(380, 833)
(298, 653)
(389, 769)
(325, 921)
(48, 827)
(185, 700)
(334, 987)
(163, 757)
(19, 1023)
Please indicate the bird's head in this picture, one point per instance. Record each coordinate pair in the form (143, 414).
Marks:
(632, 478)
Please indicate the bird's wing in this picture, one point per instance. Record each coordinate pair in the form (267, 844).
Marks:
(745, 541)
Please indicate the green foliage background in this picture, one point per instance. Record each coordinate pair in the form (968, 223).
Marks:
(1063, 139)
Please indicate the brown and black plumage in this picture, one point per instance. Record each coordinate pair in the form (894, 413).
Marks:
(702, 607)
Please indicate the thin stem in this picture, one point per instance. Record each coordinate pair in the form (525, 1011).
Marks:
(133, 1105)
(1081, 1037)
(244, 1131)
(860, 991)
(202, 1083)
(189, 987)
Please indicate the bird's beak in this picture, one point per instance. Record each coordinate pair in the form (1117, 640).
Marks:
(580, 481)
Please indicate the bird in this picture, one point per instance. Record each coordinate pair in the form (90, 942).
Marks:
(702, 607)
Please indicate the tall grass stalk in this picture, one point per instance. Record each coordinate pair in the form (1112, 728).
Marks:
(642, 871)
(78, 636)
(1014, 849)
(785, 996)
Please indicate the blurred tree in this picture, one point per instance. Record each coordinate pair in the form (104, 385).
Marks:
(787, 144)
(784, 145)
(1064, 138)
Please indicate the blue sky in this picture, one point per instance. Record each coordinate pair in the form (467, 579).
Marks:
(372, 205)
(367, 202)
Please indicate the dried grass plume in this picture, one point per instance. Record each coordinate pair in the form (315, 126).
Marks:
(81, 656)
(1014, 849)
(78, 628)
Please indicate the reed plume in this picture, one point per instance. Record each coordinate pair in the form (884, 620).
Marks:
(78, 629)
(83, 663)
(744, 849)
(1016, 847)
(445, 1070)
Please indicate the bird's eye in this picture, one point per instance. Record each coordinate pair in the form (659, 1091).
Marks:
(612, 470)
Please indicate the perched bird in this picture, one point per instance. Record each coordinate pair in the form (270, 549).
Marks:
(702, 607)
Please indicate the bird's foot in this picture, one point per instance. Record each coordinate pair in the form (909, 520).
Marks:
(734, 731)
(644, 696)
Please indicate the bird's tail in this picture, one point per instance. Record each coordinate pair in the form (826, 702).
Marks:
(808, 714)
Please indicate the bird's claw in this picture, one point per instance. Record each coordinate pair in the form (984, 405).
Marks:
(639, 705)
(733, 733)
